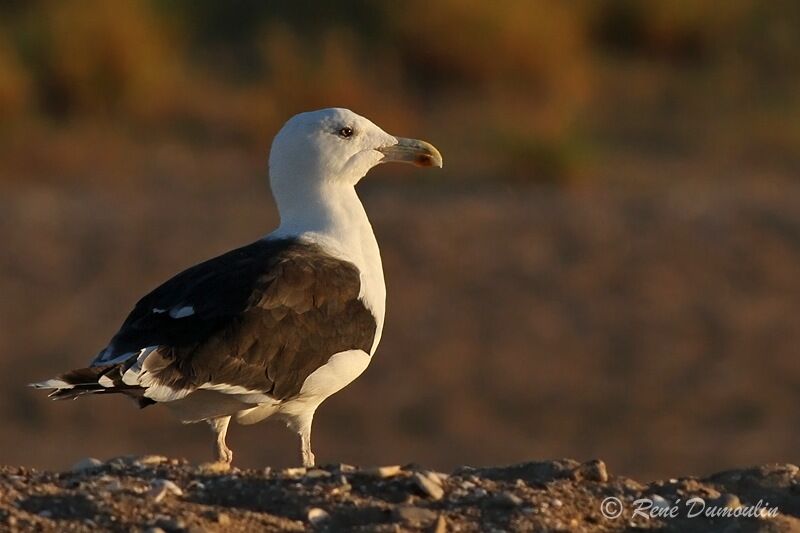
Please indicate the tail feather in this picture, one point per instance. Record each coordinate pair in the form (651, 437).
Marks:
(91, 380)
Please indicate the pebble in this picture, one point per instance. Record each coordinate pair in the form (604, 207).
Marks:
(384, 471)
(163, 487)
(220, 518)
(170, 524)
(440, 526)
(151, 460)
(595, 471)
(317, 516)
(437, 477)
(343, 486)
(154, 530)
(217, 467)
(86, 464)
(429, 486)
(317, 473)
(415, 515)
(196, 485)
(295, 472)
(123, 460)
(507, 499)
(660, 502)
(111, 484)
(731, 501)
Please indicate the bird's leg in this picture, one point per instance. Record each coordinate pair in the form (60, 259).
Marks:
(301, 423)
(306, 454)
(219, 426)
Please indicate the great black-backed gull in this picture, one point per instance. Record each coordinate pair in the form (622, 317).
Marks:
(275, 327)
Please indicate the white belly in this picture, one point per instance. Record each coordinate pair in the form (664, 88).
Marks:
(340, 370)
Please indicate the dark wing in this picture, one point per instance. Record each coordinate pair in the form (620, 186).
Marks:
(259, 318)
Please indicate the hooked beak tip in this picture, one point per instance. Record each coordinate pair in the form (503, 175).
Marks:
(416, 152)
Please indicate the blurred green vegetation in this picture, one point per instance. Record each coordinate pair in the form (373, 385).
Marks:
(515, 89)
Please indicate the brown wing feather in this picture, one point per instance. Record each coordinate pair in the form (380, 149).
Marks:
(305, 309)
(265, 316)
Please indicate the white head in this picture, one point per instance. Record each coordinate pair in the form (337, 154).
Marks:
(337, 146)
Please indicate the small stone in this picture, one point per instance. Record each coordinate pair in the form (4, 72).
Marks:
(343, 486)
(217, 467)
(113, 485)
(317, 516)
(154, 529)
(439, 477)
(416, 516)
(151, 460)
(557, 503)
(295, 472)
(507, 499)
(220, 518)
(440, 526)
(731, 501)
(464, 470)
(163, 487)
(196, 485)
(384, 471)
(123, 460)
(170, 524)
(659, 502)
(317, 473)
(45, 513)
(87, 463)
(428, 486)
(595, 471)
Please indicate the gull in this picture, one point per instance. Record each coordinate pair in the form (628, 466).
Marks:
(273, 328)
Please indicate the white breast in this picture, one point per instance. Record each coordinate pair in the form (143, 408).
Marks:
(341, 228)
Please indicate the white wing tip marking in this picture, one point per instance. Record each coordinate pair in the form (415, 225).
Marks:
(181, 312)
(51, 384)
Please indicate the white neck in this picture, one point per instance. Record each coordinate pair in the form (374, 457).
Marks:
(331, 215)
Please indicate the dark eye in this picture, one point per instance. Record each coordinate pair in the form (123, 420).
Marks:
(345, 132)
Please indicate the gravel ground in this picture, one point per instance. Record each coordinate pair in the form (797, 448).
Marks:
(156, 494)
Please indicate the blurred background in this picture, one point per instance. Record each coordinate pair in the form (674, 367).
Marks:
(607, 266)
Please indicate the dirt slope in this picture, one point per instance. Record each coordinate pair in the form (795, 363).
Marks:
(152, 493)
